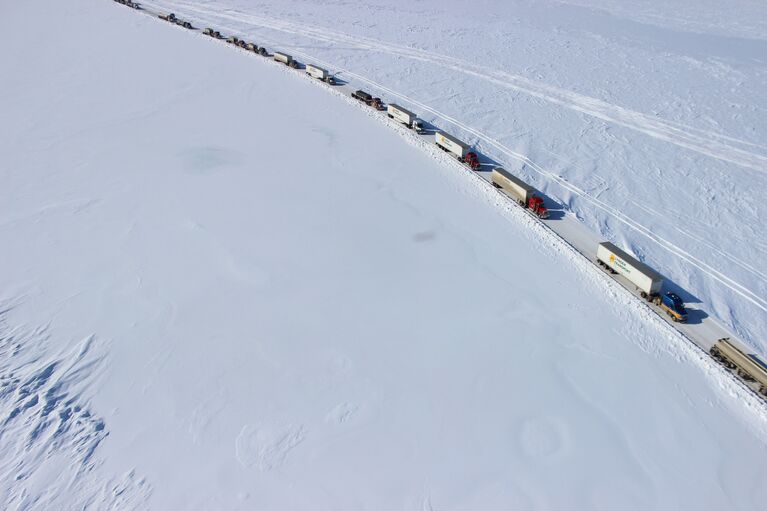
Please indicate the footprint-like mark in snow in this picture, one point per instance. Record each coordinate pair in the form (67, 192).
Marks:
(266, 446)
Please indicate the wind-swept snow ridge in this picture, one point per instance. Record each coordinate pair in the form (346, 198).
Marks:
(48, 435)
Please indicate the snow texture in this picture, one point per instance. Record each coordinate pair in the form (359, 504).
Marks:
(223, 287)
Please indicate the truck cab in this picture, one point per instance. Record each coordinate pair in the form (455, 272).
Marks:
(674, 307)
(417, 125)
(535, 203)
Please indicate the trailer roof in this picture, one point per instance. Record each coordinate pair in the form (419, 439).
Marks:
(514, 179)
(318, 68)
(283, 54)
(454, 140)
(649, 272)
(403, 110)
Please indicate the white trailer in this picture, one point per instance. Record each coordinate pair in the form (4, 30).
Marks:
(647, 280)
(404, 116)
(512, 185)
(283, 57)
(317, 72)
(452, 144)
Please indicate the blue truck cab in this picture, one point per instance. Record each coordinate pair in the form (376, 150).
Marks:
(674, 307)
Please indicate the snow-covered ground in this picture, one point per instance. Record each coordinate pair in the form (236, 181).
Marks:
(223, 287)
(645, 119)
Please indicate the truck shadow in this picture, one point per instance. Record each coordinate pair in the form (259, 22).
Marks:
(695, 316)
(686, 296)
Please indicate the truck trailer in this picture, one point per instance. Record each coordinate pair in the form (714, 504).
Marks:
(451, 144)
(404, 116)
(525, 195)
(285, 59)
(648, 281)
(454, 146)
(319, 73)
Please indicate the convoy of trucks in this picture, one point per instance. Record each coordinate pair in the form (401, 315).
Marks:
(454, 146)
(525, 195)
(404, 116)
(647, 281)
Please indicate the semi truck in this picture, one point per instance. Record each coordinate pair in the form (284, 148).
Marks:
(454, 146)
(747, 365)
(319, 73)
(648, 281)
(129, 3)
(404, 116)
(367, 98)
(525, 195)
(285, 59)
(173, 19)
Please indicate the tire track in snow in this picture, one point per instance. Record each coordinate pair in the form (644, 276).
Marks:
(265, 22)
(708, 143)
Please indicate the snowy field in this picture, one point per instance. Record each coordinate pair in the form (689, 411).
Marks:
(645, 119)
(223, 287)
